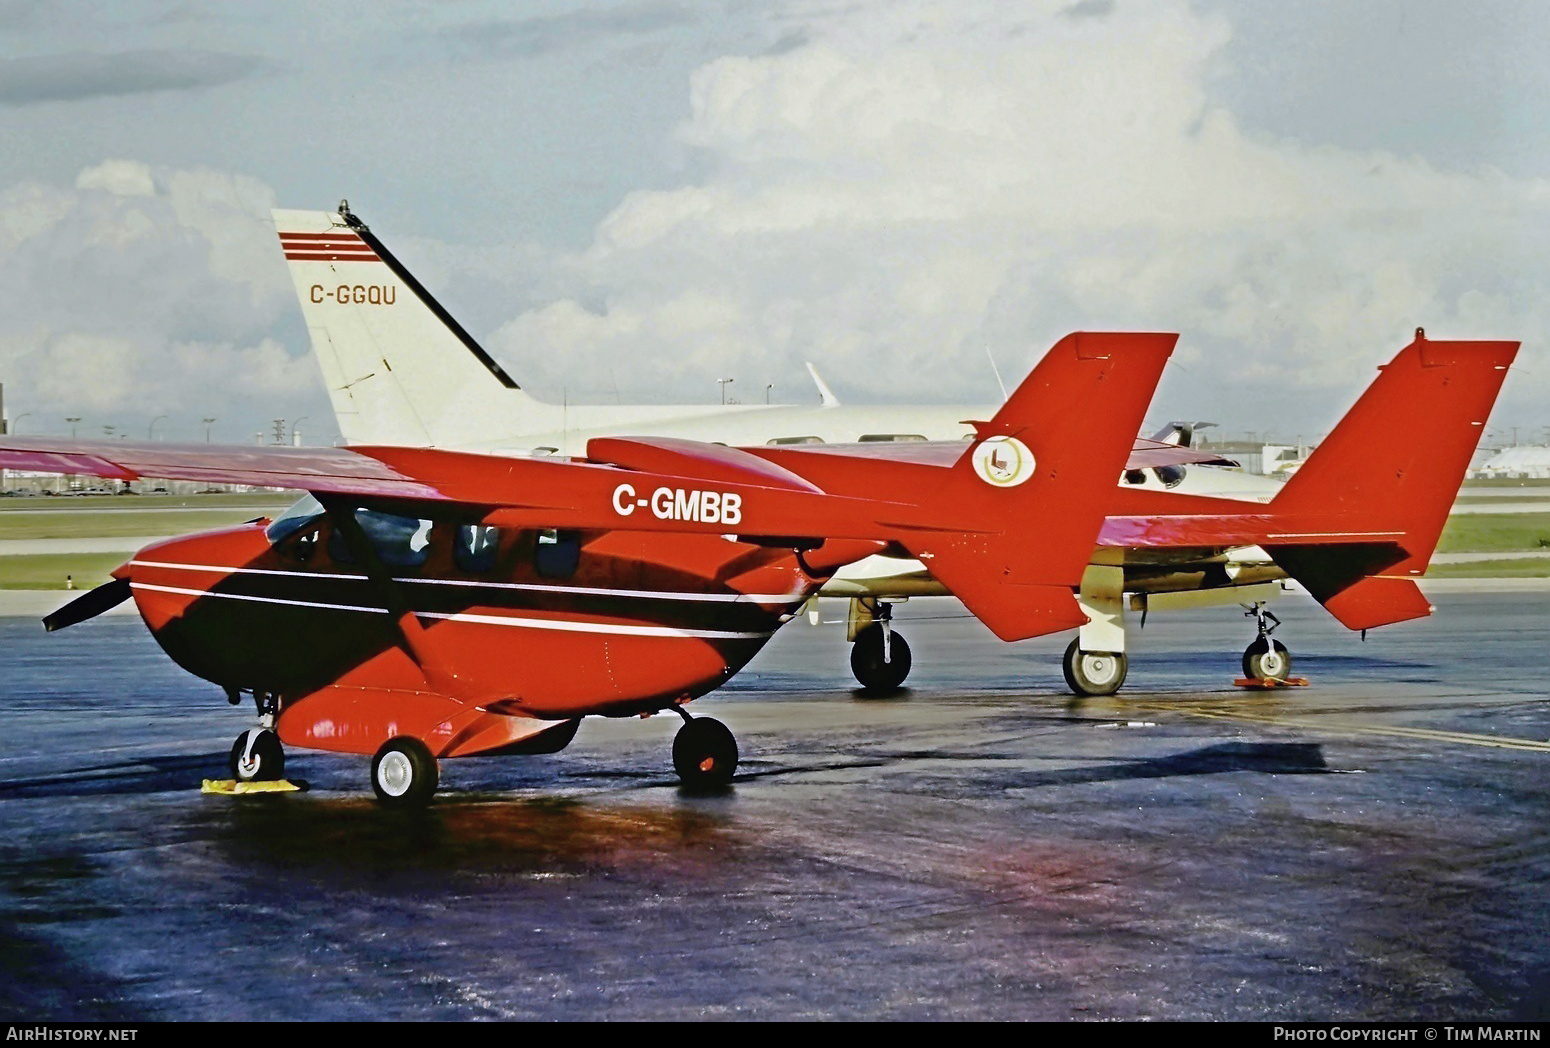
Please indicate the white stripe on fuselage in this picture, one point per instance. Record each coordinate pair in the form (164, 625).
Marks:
(585, 591)
(563, 625)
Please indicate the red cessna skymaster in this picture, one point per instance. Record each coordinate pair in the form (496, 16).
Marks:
(423, 603)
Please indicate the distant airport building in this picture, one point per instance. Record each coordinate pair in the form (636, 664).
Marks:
(19, 482)
(1523, 461)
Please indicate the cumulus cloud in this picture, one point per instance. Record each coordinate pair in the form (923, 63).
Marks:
(139, 292)
(916, 182)
(889, 189)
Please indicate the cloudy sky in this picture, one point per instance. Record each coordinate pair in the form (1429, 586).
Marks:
(633, 199)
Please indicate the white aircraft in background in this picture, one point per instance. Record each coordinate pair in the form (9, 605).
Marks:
(401, 371)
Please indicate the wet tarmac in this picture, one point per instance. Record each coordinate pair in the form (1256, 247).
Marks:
(982, 846)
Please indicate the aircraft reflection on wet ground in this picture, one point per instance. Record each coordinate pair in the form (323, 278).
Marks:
(983, 846)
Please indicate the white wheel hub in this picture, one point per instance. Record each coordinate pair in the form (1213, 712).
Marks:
(395, 774)
(1099, 667)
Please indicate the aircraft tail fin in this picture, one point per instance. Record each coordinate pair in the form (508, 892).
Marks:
(399, 369)
(1034, 486)
(1389, 473)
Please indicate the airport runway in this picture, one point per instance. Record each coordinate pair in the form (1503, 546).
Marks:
(983, 846)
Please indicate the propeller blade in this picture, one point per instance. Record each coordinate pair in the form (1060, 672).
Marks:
(89, 605)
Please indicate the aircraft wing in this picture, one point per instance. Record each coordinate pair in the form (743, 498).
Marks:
(718, 491)
(1032, 472)
(336, 469)
(1152, 454)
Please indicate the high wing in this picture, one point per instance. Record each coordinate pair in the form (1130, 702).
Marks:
(497, 489)
(1008, 522)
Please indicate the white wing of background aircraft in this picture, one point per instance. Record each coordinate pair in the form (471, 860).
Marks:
(400, 370)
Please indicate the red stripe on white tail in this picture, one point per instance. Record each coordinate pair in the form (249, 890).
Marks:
(340, 246)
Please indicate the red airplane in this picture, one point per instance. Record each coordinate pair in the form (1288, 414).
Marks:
(422, 604)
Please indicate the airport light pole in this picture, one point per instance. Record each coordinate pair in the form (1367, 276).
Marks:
(72, 419)
(150, 431)
(207, 429)
(16, 423)
(296, 432)
(723, 382)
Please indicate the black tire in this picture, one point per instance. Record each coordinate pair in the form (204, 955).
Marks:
(403, 773)
(704, 753)
(265, 764)
(1266, 659)
(875, 675)
(1094, 672)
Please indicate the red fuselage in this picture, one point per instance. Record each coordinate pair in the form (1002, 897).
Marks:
(471, 638)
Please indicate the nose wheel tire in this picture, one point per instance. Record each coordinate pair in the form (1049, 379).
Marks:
(1267, 659)
(403, 773)
(1094, 672)
(264, 762)
(704, 753)
(878, 675)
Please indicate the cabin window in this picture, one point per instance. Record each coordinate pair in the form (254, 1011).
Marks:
(795, 440)
(879, 438)
(474, 547)
(304, 512)
(400, 542)
(557, 553)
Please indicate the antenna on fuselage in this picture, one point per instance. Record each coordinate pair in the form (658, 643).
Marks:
(996, 371)
(826, 395)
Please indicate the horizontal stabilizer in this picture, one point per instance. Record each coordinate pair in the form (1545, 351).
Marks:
(1012, 611)
(1378, 601)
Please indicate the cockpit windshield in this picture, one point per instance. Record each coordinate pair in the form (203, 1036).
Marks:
(304, 512)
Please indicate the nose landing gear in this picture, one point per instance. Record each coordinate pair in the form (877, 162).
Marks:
(1266, 658)
(257, 755)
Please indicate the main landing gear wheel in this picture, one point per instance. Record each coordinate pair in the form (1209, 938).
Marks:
(704, 753)
(1094, 672)
(263, 762)
(879, 668)
(403, 773)
(1266, 659)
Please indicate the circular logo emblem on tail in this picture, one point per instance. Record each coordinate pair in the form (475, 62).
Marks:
(1003, 462)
